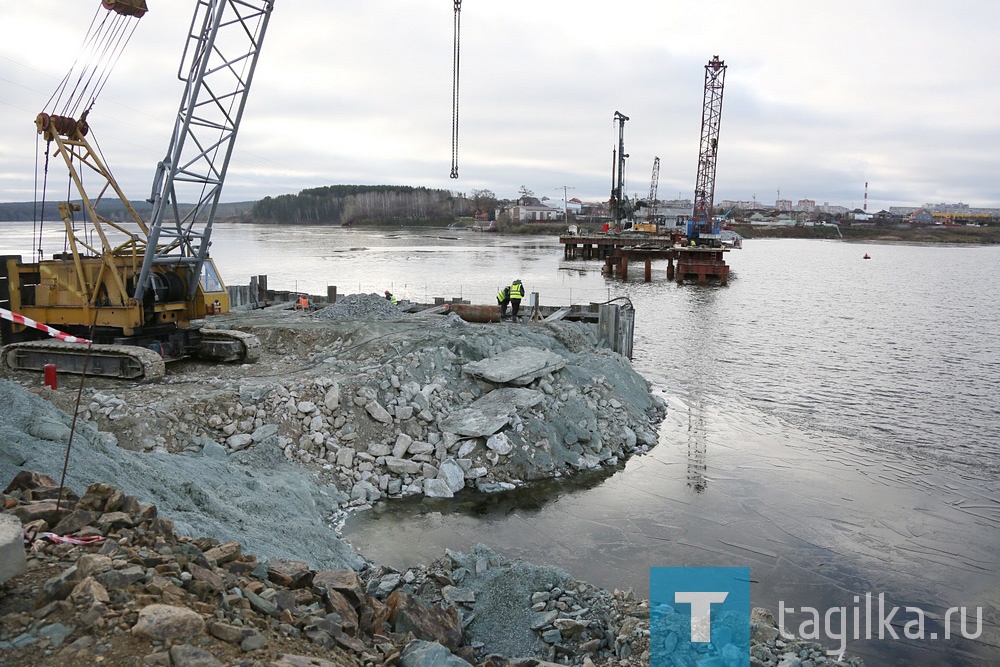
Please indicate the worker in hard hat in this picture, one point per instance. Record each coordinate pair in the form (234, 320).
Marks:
(516, 294)
(503, 299)
(390, 298)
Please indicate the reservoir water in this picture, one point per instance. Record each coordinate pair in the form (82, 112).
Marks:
(833, 424)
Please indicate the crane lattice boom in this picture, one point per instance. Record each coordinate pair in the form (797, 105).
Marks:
(704, 191)
(221, 55)
(653, 184)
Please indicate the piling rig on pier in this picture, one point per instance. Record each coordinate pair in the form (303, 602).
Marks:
(621, 206)
(702, 228)
(704, 256)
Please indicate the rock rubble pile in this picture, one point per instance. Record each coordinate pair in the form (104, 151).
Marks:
(393, 409)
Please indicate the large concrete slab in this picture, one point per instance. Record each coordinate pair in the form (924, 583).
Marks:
(490, 413)
(518, 366)
(12, 560)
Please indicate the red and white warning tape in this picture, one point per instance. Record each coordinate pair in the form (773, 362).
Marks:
(27, 321)
(68, 539)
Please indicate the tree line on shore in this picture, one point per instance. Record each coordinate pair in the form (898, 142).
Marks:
(331, 204)
(112, 210)
(347, 204)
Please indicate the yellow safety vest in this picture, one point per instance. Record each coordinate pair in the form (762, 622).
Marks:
(517, 291)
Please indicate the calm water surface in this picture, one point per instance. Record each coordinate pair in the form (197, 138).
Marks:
(833, 421)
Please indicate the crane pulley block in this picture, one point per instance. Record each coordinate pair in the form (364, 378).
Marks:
(136, 8)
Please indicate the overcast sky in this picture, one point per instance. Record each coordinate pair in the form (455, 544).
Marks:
(820, 97)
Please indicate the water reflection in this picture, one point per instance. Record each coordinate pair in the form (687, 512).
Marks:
(697, 449)
(494, 506)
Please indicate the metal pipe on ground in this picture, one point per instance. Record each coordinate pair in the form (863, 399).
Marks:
(475, 313)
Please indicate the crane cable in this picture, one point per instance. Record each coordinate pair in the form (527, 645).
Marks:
(101, 50)
(454, 91)
(79, 89)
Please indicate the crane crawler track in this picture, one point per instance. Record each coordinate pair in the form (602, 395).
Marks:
(124, 362)
(228, 345)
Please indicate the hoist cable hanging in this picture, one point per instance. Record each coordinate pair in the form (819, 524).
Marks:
(54, 101)
(102, 47)
(126, 29)
(454, 91)
(103, 43)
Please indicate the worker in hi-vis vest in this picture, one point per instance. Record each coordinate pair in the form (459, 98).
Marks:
(516, 294)
(503, 298)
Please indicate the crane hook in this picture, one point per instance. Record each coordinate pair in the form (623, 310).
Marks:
(454, 91)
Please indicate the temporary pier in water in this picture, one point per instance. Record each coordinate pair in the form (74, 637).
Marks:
(697, 263)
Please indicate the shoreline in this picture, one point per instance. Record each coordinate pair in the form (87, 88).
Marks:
(948, 234)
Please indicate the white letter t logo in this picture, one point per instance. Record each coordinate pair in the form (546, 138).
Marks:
(701, 612)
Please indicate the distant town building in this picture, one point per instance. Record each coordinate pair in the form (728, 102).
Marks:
(595, 211)
(668, 213)
(572, 206)
(784, 212)
(535, 213)
(679, 203)
(948, 208)
(922, 217)
(832, 210)
(742, 205)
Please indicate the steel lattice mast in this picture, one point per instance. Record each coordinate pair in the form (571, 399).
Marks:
(619, 207)
(653, 184)
(223, 44)
(704, 191)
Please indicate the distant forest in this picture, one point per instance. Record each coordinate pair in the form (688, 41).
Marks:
(23, 211)
(331, 204)
(348, 204)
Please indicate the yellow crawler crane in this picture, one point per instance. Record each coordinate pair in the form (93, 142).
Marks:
(127, 284)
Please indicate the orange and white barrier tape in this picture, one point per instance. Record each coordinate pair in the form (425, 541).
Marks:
(27, 321)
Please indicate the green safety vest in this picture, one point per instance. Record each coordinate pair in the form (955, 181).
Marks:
(517, 291)
(503, 295)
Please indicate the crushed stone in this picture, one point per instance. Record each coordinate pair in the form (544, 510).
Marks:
(361, 307)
